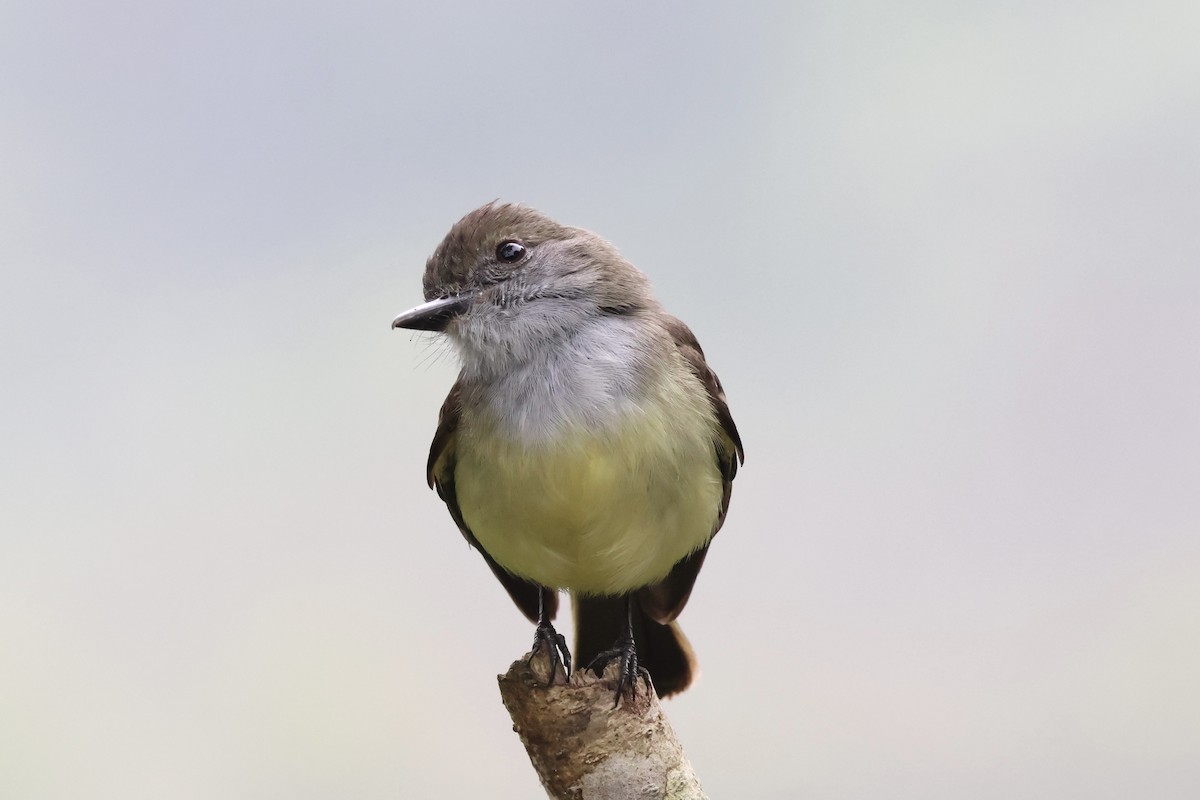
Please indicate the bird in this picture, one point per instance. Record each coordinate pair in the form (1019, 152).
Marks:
(586, 445)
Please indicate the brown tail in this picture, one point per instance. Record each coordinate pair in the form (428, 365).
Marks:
(662, 649)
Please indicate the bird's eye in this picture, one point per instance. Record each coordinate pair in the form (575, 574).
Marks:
(510, 251)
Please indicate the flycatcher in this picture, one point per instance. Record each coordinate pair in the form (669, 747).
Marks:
(586, 445)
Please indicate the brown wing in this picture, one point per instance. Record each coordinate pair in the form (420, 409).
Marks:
(664, 600)
(440, 473)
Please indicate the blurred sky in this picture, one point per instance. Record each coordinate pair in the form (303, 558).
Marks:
(945, 257)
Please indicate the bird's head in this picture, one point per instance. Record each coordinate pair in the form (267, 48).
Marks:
(507, 278)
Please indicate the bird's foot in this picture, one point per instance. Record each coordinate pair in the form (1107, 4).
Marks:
(624, 653)
(556, 649)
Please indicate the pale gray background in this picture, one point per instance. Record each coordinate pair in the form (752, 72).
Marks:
(945, 256)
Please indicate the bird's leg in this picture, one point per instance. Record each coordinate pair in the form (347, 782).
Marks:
(552, 640)
(624, 650)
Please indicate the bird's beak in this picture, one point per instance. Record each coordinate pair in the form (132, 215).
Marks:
(434, 315)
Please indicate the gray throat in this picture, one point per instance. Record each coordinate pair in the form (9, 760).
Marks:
(535, 387)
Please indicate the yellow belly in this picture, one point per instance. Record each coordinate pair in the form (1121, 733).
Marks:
(593, 513)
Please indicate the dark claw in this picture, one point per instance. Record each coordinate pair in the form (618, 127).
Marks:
(556, 643)
(625, 654)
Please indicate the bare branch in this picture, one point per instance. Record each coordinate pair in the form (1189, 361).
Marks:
(584, 749)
